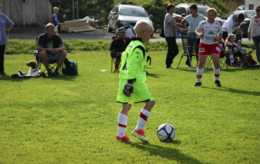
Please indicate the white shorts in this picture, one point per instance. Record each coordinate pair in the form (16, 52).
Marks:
(55, 29)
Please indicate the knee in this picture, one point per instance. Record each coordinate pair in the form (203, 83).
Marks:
(64, 53)
(151, 103)
(43, 54)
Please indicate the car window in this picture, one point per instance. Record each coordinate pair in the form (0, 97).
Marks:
(250, 14)
(202, 11)
(183, 10)
(177, 10)
(115, 9)
(136, 12)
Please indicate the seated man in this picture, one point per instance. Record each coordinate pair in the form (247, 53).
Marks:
(51, 48)
(118, 45)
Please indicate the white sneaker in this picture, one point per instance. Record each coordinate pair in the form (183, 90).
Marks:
(170, 67)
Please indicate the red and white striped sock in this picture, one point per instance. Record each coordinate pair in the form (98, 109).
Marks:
(142, 119)
(199, 74)
(216, 73)
(122, 122)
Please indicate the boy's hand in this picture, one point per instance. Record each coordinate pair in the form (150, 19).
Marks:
(128, 89)
(201, 35)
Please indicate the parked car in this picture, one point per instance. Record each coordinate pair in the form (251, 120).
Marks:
(124, 14)
(244, 25)
(182, 10)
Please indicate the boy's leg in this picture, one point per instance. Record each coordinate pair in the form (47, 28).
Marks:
(122, 122)
(144, 115)
(200, 69)
(216, 61)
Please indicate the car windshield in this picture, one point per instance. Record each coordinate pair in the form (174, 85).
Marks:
(136, 12)
(250, 14)
(201, 11)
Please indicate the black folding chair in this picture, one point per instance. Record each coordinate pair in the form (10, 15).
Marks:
(52, 63)
(184, 39)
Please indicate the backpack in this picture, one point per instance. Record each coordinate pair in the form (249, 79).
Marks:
(162, 32)
(71, 68)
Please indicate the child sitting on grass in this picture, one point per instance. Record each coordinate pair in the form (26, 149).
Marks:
(132, 86)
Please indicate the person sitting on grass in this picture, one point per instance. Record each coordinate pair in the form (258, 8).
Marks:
(224, 51)
(118, 45)
(51, 48)
(210, 33)
(132, 86)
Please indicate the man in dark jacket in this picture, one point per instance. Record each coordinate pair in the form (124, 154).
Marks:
(50, 47)
(118, 45)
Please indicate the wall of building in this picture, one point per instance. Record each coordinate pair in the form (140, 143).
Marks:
(27, 12)
(251, 4)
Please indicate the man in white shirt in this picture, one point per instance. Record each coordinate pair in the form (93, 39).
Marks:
(231, 24)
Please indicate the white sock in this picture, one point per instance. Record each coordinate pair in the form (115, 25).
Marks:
(142, 119)
(199, 74)
(231, 57)
(122, 122)
(216, 73)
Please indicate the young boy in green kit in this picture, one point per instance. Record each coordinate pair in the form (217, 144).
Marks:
(132, 86)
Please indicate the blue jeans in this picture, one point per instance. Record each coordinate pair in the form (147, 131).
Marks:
(256, 40)
(172, 50)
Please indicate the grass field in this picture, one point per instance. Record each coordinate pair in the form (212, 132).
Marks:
(74, 119)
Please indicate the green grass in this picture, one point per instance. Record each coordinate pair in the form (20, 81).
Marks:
(74, 119)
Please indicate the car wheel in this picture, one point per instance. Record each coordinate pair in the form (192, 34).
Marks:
(109, 29)
(116, 27)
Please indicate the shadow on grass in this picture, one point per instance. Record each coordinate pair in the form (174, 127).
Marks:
(65, 78)
(165, 152)
(255, 93)
(154, 75)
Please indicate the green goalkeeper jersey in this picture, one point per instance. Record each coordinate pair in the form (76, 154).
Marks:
(133, 62)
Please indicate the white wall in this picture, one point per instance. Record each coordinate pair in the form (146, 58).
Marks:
(251, 4)
(30, 12)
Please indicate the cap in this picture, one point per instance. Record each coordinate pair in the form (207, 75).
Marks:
(121, 29)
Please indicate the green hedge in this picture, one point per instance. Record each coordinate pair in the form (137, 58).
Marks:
(26, 47)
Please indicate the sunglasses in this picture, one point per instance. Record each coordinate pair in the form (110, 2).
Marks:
(257, 10)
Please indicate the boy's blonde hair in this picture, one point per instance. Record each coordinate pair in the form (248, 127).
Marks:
(142, 25)
(49, 25)
(229, 37)
(55, 8)
(213, 10)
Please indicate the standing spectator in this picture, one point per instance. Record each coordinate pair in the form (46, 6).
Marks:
(170, 32)
(193, 19)
(118, 45)
(210, 33)
(55, 20)
(254, 31)
(5, 26)
(231, 24)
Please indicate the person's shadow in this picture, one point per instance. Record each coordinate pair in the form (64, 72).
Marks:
(165, 152)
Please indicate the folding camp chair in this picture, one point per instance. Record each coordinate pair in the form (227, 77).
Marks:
(52, 63)
(184, 39)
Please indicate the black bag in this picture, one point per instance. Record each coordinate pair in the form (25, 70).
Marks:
(162, 32)
(71, 68)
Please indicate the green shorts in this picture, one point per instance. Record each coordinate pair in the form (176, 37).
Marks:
(140, 94)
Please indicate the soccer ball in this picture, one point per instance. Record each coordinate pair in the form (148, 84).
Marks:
(166, 132)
